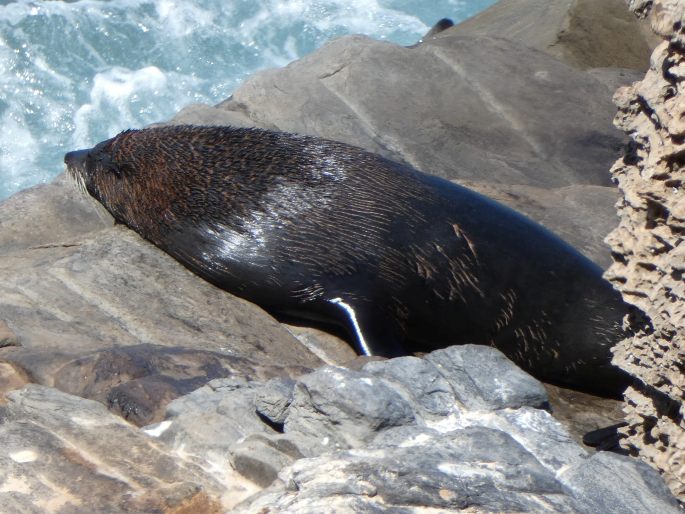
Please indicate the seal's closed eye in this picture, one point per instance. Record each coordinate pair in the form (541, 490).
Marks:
(105, 163)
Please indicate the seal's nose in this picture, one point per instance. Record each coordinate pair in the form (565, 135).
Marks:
(76, 158)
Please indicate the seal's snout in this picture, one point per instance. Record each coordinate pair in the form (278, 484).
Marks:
(76, 159)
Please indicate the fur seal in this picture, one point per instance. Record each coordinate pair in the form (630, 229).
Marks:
(321, 230)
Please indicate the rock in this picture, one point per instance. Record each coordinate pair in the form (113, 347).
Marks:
(341, 408)
(419, 380)
(475, 469)
(392, 437)
(11, 377)
(581, 33)
(607, 482)
(259, 458)
(647, 246)
(49, 215)
(64, 453)
(210, 420)
(7, 337)
(537, 431)
(138, 381)
(272, 400)
(581, 413)
(483, 378)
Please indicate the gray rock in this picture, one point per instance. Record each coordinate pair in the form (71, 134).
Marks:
(7, 337)
(46, 215)
(259, 458)
(339, 408)
(582, 33)
(272, 400)
(418, 379)
(484, 379)
(210, 420)
(537, 431)
(476, 468)
(607, 482)
(63, 453)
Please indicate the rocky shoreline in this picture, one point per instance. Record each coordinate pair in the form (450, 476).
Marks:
(127, 384)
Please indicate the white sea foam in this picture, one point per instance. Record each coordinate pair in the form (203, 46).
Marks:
(75, 73)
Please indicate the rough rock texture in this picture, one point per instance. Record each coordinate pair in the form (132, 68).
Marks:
(582, 33)
(649, 248)
(405, 435)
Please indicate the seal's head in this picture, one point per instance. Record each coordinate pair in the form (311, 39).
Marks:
(152, 179)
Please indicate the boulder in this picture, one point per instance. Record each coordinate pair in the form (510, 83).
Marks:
(581, 33)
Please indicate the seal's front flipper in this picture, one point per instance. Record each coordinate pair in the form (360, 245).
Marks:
(371, 332)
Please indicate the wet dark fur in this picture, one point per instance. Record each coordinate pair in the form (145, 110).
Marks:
(322, 230)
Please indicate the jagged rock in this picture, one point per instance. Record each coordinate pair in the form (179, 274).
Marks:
(138, 381)
(483, 378)
(581, 33)
(648, 248)
(260, 458)
(420, 379)
(341, 408)
(210, 420)
(272, 400)
(478, 469)
(63, 453)
(537, 431)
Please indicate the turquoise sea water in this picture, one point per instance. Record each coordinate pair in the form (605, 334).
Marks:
(75, 73)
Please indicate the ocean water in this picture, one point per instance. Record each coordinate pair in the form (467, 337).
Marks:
(74, 73)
